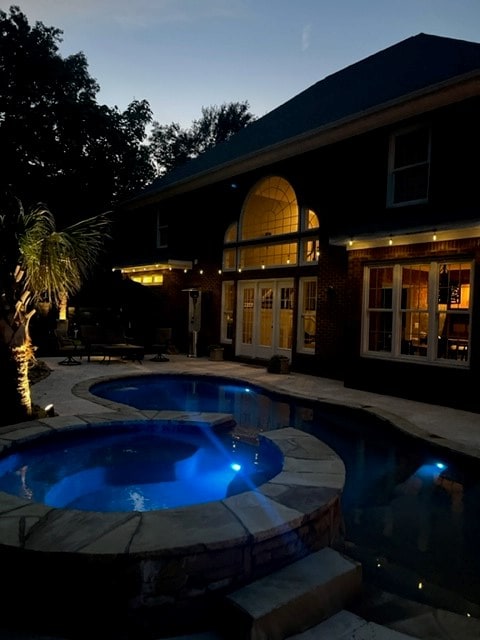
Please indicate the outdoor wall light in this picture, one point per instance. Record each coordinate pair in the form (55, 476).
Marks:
(390, 241)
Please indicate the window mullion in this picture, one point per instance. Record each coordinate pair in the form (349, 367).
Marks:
(396, 310)
(432, 311)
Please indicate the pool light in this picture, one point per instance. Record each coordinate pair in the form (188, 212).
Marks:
(235, 466)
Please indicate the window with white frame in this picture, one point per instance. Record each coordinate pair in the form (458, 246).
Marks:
(228, 301)
(229, 260)
(418, 311)
(409, 166)
(270, 209)
(307, 315)
(310, 250)
(231, 233)
(309, 219)
(309, 247)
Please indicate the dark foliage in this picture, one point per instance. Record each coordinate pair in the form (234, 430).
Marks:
(58, 144)
(172, 146)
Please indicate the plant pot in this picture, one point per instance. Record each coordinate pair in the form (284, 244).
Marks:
(216, 353)
(278, 364)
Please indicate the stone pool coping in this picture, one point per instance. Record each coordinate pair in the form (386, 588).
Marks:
(279, 505)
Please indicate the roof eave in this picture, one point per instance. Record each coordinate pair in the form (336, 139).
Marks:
(422, 101)
(457, 230)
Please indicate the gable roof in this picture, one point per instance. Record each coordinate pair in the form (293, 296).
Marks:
(417, 65)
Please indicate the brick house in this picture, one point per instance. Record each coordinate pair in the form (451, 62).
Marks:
(342, 229)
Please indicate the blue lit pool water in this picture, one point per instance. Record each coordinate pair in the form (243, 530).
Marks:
(407, 505)
(136, 467)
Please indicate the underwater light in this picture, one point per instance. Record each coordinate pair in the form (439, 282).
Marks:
(235, 466)
(431, 470)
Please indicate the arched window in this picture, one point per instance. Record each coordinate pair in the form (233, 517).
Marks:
(311, 219)
(270, 209)
(231, 233)
(230, 254)
(273, 231)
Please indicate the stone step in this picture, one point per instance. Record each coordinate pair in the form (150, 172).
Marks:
(345, 625)
(439, 624)
(416, 618)
(293, 599)
(374, 615)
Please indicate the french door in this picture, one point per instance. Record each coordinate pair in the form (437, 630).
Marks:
(265, 318)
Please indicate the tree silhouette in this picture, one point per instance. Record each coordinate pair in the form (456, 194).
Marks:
(55, 138)
(172, 146)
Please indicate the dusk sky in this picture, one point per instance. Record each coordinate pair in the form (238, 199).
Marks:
(182, 55)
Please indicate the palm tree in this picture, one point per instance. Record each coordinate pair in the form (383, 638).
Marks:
(37, 263)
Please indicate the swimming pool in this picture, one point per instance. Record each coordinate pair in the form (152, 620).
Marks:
(411, 510)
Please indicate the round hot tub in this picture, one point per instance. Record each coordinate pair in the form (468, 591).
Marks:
(131, 572)
(143, 465)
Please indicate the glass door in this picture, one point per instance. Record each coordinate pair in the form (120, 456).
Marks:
(265, 318)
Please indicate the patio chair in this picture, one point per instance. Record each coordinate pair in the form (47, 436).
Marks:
(70, 347)
(161, 344)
